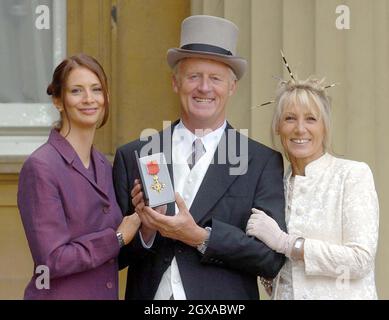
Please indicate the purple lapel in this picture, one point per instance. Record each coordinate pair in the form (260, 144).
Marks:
(65, 149)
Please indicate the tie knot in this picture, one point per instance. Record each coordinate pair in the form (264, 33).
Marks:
(198, 146)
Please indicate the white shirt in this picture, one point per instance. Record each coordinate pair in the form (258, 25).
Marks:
(186, 182)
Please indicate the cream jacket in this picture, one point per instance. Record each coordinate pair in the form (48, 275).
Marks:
(335, 208)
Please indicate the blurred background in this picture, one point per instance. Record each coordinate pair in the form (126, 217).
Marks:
(345, 41)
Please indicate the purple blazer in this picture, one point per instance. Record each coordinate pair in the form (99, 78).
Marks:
(70, 223)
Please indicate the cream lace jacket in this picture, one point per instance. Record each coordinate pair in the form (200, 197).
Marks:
(335, 208)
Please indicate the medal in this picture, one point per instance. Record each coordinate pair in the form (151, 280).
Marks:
(153, 169)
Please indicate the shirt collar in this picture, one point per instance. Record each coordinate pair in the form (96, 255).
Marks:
(184, 137)
(313, 168)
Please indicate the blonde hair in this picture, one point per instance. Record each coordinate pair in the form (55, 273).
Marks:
(310, 94)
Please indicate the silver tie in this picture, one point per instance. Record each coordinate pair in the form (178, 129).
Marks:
(198, 151)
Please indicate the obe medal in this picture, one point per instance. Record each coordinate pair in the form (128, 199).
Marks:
(153, 169)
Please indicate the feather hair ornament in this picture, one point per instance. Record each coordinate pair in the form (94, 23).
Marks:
(286, 82)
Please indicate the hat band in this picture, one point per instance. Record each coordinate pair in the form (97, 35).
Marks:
(206, 48)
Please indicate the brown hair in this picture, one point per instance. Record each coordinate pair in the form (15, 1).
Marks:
(61, 74)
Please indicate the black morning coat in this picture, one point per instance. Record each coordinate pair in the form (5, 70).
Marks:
(233, 260)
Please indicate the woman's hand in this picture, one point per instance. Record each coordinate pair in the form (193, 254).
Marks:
(266, 229)
(129, 226)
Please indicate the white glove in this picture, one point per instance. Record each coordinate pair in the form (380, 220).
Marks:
(266, 229)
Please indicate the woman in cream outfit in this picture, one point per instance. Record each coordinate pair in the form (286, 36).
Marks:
(332, 210)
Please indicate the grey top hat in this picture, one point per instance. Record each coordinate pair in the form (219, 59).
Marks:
(210, 38)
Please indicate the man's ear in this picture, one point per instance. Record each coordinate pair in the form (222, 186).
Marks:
(175, 83)
(233, 86)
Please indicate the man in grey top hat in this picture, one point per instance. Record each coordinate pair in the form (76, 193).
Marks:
(198, 248)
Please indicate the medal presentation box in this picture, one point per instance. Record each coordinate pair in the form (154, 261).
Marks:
(156, 182)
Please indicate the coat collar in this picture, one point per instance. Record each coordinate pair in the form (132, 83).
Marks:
(313, 168)
(218, 177)
(70, 156)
